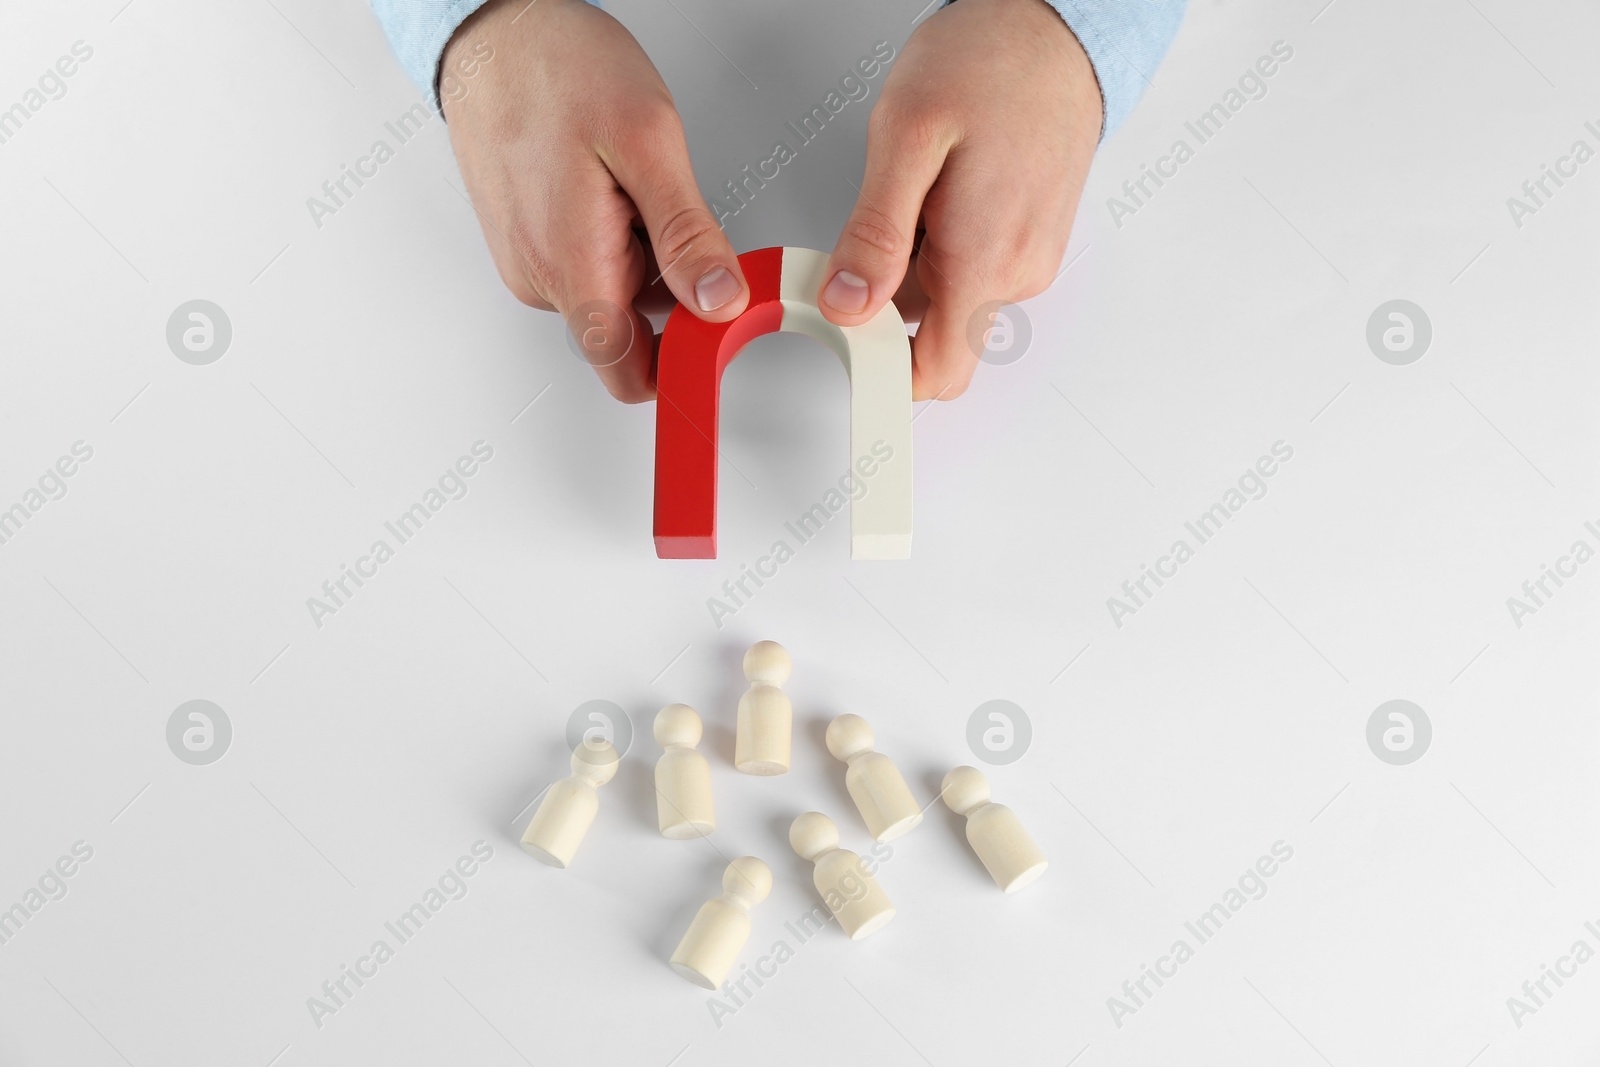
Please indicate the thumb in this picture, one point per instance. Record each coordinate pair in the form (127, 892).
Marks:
(869, 262)
(695, 258)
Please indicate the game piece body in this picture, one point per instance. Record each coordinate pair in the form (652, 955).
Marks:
(721, 927)
(568, 809)
(784, 283)
(683, 776)
(993, 830)
(874, 782)
(765, 727)
(848, 890)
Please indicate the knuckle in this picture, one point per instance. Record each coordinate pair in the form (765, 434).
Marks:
(998, 272)
(964, 257)
(648, 126)
(529, 271)
(1036, 267)
(1008, 253)
(871, 229)
(525, 293)
(626, 389)
(1035, 279)
(905, 128)
(686, 230)
(522, 241)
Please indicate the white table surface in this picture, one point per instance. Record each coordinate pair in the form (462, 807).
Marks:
(1168, 754)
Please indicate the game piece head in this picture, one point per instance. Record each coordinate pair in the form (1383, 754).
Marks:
(964, 788)
(747, 878)
(848, 736)
(677, 724)
(767, 663)
(812, 834)
(595, 760)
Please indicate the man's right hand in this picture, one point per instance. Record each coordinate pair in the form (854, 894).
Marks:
(567, 139)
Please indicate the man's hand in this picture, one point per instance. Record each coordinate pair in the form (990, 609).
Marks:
(566, 139)
(983, 137)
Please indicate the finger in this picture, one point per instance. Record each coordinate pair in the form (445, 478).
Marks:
(868, 263)
(619, 343)
(942, 363)
(943, 357)
(655, 298)
(517, 264)
(910, 300)
(651, 163)
(605, 266)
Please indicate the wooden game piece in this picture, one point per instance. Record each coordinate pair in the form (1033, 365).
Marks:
(876, 355)
(568, 808)
(993, 830)
(765, 726)
(721, 927)
(856, 900)
(683, 777)
(875, 783)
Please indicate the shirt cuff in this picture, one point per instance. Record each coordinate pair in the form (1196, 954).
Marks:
(419, 31)
(1125, 40)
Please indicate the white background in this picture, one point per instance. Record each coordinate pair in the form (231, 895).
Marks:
(1168, 754)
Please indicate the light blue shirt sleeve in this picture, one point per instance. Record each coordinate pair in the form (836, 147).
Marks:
(1125, 40)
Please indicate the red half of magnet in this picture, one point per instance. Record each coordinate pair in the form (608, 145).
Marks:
(689, 368)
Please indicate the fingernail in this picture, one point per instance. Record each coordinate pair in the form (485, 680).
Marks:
(715, 288)
(846, 292)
